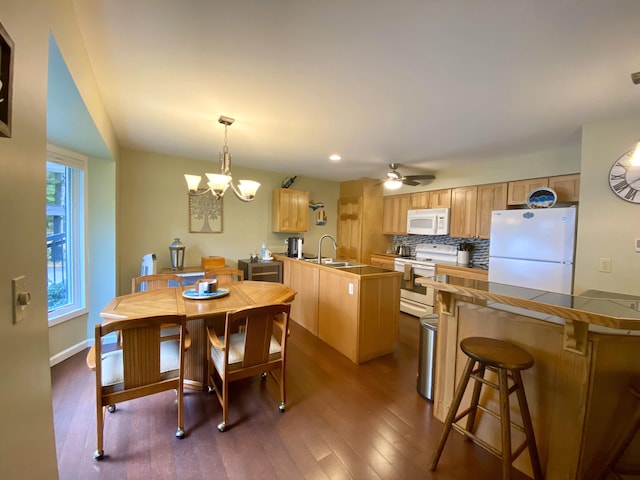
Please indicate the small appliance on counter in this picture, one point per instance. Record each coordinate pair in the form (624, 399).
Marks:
(294, 247)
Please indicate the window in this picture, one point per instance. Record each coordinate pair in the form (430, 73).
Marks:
(66, 212)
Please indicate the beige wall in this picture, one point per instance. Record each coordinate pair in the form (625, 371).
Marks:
(27, 448)
(153, 210)
(607, 225)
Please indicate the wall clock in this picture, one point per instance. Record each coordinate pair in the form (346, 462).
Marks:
(624, 179)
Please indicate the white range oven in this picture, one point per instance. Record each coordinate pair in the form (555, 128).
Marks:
(416, 299)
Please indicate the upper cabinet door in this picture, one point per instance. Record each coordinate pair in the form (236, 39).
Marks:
(394, 217)
(440, 198)
(419, 200)
(490, 197)
(462, 220)
(567, 187)
(519, 190)
(290, 210)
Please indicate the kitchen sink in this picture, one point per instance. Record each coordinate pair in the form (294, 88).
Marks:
(332, 262)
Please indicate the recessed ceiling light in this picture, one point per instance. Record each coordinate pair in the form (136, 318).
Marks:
(335, 158)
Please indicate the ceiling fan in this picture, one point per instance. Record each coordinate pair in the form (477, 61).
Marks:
(395, 179)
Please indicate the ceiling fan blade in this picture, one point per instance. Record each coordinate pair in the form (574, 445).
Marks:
(426, 176)
(408, 181)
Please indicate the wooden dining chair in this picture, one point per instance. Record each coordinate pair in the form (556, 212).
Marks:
(145, 364)
(155, 280)
(258, 348)
(225, 275)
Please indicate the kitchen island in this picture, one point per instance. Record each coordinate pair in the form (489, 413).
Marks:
(355, 309)
(586, 350)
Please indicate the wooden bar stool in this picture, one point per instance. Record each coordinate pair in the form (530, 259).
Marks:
(611, 465)
(507, 361)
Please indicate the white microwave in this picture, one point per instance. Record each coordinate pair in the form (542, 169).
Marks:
(429, 221)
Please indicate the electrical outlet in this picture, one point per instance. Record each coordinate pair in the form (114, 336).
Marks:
(351, 289)
(605, 265)
(21, 298)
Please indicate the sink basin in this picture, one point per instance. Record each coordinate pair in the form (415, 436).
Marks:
(332, 262)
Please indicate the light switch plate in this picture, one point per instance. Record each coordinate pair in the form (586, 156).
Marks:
(18, 286)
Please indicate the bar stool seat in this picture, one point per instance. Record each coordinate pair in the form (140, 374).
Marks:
(507, 360)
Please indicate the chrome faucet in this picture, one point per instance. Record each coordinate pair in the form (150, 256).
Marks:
(335, 246)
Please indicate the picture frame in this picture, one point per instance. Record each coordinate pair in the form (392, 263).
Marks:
(6, 82)
(205, 213)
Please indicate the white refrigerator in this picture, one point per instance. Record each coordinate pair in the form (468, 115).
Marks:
(533, 248)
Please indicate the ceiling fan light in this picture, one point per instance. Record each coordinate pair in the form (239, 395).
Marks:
(392, 184)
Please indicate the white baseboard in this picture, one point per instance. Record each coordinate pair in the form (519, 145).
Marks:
(69, 352)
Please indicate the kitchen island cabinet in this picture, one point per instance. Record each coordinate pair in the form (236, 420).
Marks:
(356, 310)
(585, 355)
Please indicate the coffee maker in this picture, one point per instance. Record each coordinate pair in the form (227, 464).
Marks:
(294, 247)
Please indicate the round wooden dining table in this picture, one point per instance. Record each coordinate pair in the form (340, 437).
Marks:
(200, 313)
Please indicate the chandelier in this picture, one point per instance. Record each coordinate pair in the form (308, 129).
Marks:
(219, 182)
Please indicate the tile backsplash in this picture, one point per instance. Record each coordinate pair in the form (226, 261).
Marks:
(479, 255)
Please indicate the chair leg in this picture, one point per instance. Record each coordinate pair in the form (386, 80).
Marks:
(283, 391)
(225, 404)
(180, 431)
(505, 424)
(453, 409)
(528, 426)
(475, 398)
(99, 453)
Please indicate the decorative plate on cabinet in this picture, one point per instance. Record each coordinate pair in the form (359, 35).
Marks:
(544, 197)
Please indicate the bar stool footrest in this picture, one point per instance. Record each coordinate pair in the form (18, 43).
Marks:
(477, 440)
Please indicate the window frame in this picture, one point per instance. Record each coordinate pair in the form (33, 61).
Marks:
(77, 233)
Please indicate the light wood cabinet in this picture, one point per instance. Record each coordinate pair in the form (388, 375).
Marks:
(567, 187)
(382, 261)
(519, 190)
(471, 209)
(359, 316)
(359, 229)
(349, 228)
(430, 199)
(394, 216)
(419, 200)
(290, 210)
(304, 280)
(462, 219)
(440, 198)
(491, 197)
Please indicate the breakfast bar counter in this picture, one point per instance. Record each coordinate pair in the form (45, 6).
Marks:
(586, 350)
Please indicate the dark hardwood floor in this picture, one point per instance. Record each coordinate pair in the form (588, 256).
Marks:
(342, 421)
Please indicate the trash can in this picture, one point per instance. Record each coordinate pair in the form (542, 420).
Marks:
(427, 355)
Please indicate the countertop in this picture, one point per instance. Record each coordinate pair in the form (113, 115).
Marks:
(598, 309)
(359, 270)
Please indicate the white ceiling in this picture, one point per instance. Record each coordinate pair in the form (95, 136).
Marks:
(422, 83)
